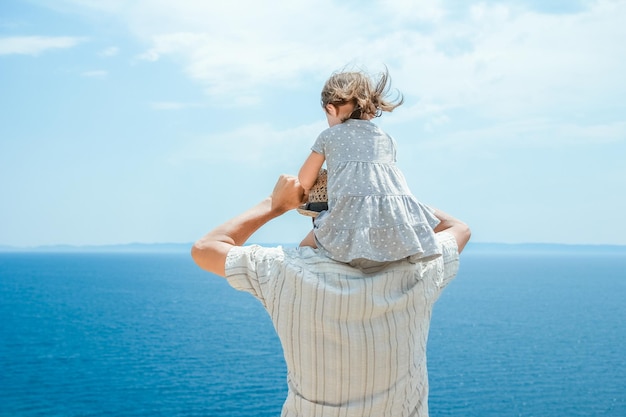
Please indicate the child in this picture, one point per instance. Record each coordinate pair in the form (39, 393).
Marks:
(371, 214)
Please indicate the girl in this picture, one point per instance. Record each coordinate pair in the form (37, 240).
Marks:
(371, 214)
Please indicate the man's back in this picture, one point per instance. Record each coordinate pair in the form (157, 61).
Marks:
(354, 343)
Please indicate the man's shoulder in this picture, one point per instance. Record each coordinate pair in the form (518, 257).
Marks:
(255, 251)
(248, 267)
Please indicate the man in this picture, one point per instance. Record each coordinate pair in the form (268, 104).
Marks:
(354, 337)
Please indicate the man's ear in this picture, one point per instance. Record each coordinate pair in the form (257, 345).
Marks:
(331, 109)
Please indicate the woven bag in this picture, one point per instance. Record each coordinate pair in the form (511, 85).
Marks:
(318, 196)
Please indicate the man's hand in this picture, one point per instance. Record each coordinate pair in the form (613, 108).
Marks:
(287, 194)
(210, 251)
(454, 226)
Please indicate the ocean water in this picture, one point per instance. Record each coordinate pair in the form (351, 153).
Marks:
(140, 334)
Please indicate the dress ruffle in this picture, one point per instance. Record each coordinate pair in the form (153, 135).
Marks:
(378, 228)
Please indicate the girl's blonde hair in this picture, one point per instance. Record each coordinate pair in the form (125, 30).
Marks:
(357, 87)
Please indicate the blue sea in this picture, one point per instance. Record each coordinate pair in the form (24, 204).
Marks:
(518, 333)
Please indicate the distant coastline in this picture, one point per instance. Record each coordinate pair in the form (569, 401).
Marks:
(473, 247)
(543, 248)
(121, 248)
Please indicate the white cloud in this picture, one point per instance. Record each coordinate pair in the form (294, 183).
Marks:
(525, 73)
(498, 61)
(220, 64)
(414, 11)
(264, 146)
(110, 51)
(519, 61)
(527, 134)
(34, 45)
(95, 74)
(151, 55)
(290, 39)
(237, 48)
(172, 105)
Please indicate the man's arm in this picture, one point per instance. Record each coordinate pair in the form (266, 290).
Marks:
(456, 227)
(210, 252)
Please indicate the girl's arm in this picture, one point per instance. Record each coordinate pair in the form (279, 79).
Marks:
(310, 170)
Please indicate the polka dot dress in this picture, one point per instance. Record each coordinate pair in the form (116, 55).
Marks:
(372, 213)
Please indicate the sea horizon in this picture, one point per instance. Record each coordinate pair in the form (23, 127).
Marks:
(135, 247)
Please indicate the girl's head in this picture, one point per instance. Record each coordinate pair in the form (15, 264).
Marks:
(364, 98)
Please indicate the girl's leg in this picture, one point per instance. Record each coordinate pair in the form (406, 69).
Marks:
(309, 240)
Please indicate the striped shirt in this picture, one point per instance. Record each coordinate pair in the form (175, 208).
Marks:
(354, 342)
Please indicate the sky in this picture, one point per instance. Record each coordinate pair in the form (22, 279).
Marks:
(155, 121)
